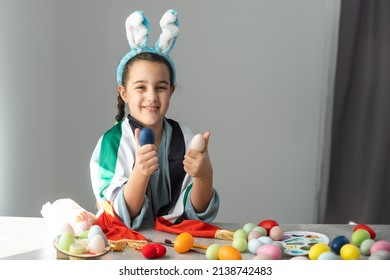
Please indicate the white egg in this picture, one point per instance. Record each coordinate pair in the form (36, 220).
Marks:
(96, 244)
(253, 245)
(301, 258)
(327, 256)
(198, 143)
(66, 227)
(95, 229)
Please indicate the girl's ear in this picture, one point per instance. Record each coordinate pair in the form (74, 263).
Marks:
(173, 89)
(122, 92)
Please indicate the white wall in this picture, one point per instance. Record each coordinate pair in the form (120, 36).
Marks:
(257, 74)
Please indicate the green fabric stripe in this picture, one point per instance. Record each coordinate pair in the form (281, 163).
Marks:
(186, 195)
(108, 155)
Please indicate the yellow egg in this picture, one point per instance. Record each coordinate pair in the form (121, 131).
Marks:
(350, 252)
(317, 249)
(228, 252)
(183, 242)
(78, 248)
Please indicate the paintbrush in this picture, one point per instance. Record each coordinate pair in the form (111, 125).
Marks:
(169, 243)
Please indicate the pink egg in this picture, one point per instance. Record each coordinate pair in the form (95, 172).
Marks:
(271, 250)
(381, 245)
(276, 233)
(254, 235)
(263, 257)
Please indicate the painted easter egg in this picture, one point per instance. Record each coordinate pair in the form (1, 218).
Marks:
(228, 252)
(338, 242)
(183, 242)
(212, 251)
(268, 224)
(198, 143)
(366, 227)
(146, 136)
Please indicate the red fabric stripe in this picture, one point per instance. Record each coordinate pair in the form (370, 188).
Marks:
(115, 230)
(196, 228)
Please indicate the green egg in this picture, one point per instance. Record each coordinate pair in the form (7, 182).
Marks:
(66, 240)
(84, 234)
(248, 227)
(260, 229)
(365, 247)
(240, 244)
(212, 252)
(359, 236)
(240, 233)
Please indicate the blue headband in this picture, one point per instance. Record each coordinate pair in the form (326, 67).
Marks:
(137, 32)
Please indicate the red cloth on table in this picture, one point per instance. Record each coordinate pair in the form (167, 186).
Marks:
(196, 228)
(114, 228)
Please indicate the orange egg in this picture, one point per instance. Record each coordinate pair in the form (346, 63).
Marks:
(183, 242)
(228, 252)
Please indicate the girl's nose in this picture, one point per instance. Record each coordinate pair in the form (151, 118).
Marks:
(151, 95)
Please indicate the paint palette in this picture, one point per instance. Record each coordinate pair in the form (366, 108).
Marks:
(298, 243)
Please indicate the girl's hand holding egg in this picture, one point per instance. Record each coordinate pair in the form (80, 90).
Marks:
(196, 161)
(198, 143)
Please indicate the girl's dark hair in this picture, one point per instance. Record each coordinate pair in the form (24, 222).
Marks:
(148, 56)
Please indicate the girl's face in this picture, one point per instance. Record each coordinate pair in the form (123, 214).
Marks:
(148, 92)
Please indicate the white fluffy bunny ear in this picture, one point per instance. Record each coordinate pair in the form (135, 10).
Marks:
(170, 29)
(137, 30)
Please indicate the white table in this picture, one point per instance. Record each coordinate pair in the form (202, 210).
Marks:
(23, 238)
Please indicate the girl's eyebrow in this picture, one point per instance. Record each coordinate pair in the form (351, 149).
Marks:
(142, 81)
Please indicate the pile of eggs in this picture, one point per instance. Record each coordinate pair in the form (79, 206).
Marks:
(259, 239)
(92, 241)
(362, 242)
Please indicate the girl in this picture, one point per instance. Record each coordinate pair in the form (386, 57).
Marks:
(165, 178)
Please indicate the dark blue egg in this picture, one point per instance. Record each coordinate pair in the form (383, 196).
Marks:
(338, 242)
(146, 136)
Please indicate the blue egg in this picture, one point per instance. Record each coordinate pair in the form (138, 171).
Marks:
(338, 242)
(146, 136)
(253, 245)
(327, 256)
(95, 229)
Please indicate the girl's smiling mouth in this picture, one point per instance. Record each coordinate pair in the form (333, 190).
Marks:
(151, 108)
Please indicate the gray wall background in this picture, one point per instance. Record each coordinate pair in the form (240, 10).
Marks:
(257, 74)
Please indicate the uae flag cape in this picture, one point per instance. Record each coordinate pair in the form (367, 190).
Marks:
(108, 171)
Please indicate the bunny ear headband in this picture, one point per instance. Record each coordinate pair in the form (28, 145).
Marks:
(137, 32)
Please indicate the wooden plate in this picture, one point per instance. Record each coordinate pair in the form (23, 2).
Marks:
(86, 255)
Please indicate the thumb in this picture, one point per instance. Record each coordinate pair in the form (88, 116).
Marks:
(206, 137)
(136, 134)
